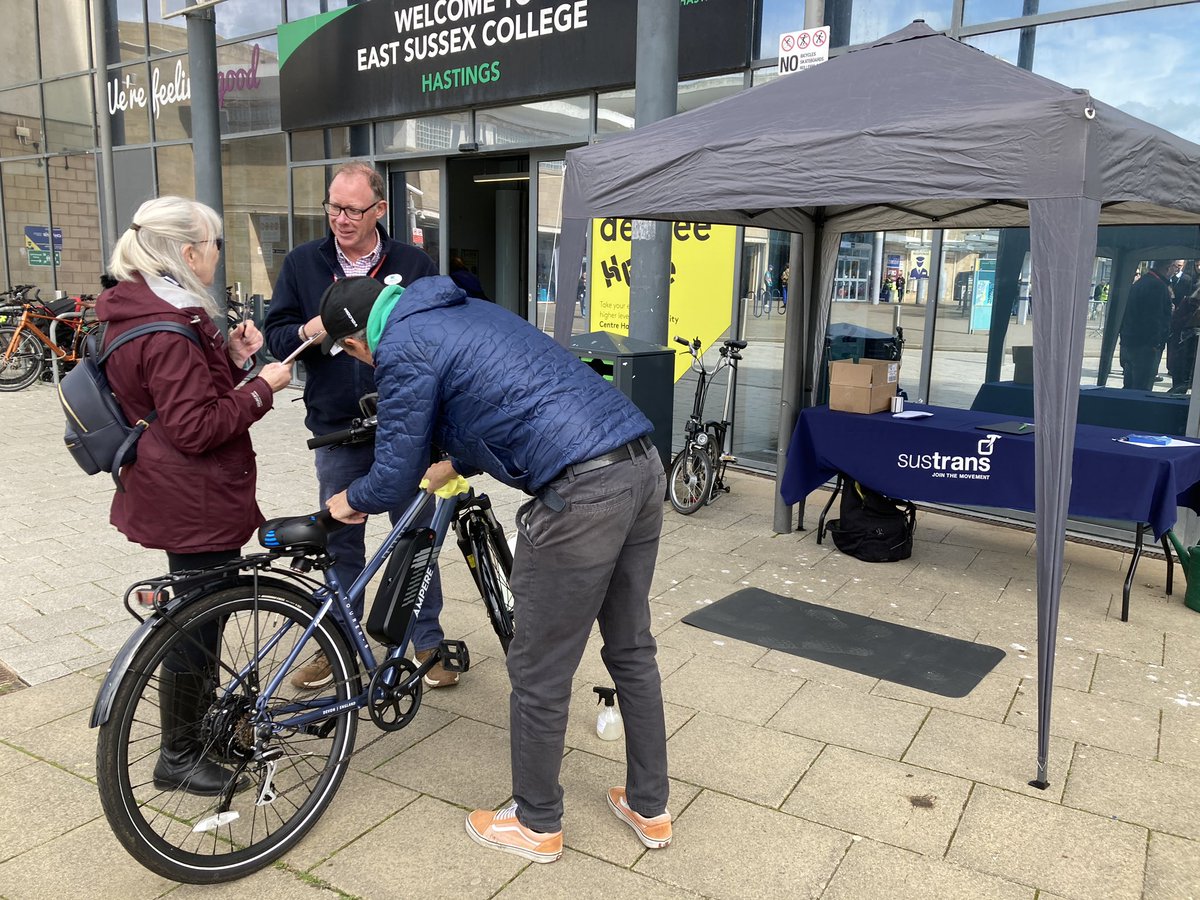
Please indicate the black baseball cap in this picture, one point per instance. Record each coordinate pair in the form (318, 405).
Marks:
(345, 308)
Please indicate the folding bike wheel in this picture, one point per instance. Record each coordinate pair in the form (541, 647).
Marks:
(281, 779)
(691, 479)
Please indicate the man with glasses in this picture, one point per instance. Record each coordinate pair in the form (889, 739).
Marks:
(357, 245)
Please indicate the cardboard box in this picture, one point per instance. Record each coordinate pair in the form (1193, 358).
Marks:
(863, 386)
(1023, 364)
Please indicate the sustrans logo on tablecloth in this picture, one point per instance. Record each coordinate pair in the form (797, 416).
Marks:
(942, 465)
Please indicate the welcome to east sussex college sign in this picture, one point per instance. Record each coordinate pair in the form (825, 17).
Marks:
(393, 58)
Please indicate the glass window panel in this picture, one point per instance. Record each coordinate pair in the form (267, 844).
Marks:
(615, 112)
(20, 122)
(133, 178)
(540, 122)
(63, 28)
(693, 94)
(20, 52)
(69, 114)
(302, 9)
(425, 134)
(549, 225)
(166, 35)
(254, 175)
(76, 213)
(248, 85)
(323, 143)
(237, 19)
(1167, 83)
(170, 101)
(125, 29)
(860, 21)
(308, 193)
(25, 206)
(979, 11)
(176, 170)
(416, 210)
(129, 103)
(778, 17)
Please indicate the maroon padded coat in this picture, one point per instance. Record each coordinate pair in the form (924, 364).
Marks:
(192, 488)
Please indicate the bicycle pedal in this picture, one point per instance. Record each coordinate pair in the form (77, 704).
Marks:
(728, 458)
(455, 656)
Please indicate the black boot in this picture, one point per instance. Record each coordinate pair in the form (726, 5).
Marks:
(181, 761)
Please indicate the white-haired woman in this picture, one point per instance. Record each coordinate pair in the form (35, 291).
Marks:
(191, 491)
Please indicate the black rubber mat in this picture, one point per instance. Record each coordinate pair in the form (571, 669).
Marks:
(919, 659)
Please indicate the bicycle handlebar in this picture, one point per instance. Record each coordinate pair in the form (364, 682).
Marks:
(361, 430)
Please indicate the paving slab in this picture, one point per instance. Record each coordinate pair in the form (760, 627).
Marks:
(705, 684)
(1150, 685)
(68, 743)
(589, 824)
(1179, 744)
(581, 877)
(267, 884)
(1092, 719)
(1044, 845)
(872, 869)
(466, 763)
(400, 860)
(848, 718)
(766, 851)
(372, 747)
(746, 761)
(67, 866)
(1159, 796)
(990, 699)
(26, 796)
(362, 802)
(1172, 868)
(905, 806)
(988, 752)
(22, 710)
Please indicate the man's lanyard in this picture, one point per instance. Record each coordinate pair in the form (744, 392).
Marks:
(373, 272)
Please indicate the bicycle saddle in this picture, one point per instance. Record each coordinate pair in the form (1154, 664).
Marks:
(309, 532)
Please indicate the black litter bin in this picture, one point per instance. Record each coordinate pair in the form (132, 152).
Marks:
(643, 372)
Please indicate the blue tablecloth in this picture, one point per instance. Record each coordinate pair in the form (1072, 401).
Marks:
(946, 458)
(1140, 411)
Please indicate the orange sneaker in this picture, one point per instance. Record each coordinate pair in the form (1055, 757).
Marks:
(655, 833)
(502, 830)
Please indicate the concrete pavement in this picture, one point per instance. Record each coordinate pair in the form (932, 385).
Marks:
(790, 778)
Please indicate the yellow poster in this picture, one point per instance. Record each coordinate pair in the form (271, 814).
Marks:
(701, 281)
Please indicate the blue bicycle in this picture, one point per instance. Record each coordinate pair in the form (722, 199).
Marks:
(227, 639)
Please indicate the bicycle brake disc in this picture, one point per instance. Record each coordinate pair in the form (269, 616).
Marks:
(392, 706)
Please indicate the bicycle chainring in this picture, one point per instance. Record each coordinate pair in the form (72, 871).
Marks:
(393, 706)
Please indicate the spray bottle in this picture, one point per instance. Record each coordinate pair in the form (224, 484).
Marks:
(608, 723)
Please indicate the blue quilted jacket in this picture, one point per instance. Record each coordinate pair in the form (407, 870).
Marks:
(491, 390)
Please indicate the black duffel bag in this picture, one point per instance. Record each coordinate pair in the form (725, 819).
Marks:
(872, 527)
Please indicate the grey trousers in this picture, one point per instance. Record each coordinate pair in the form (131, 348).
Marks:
(591, 562)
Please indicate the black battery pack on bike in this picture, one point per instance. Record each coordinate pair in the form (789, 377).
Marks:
(405, 578)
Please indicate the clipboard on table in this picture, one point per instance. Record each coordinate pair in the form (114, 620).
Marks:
(1008, 427)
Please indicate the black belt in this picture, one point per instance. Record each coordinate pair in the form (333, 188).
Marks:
(631, 451)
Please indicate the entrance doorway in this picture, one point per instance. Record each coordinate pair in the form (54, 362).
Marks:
(489, 225)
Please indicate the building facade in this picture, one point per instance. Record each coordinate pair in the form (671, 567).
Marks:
(474, 153)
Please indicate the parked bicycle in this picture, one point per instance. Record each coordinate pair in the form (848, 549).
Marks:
(698, 472)
(35, 335)
(765, 300)
(286, 749)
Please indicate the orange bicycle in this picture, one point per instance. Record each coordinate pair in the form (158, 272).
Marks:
(27, 348)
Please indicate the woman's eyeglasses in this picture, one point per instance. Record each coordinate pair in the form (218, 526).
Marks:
(220, 243)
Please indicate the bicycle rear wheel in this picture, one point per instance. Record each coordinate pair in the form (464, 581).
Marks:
(24, 366)
(291, 773)
(691, 479)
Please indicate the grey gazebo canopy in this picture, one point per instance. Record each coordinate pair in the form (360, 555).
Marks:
(916, 131)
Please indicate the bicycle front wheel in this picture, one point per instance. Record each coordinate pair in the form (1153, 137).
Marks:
(23, 366)
(490, 562)
(226, 648)
(691, 479)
